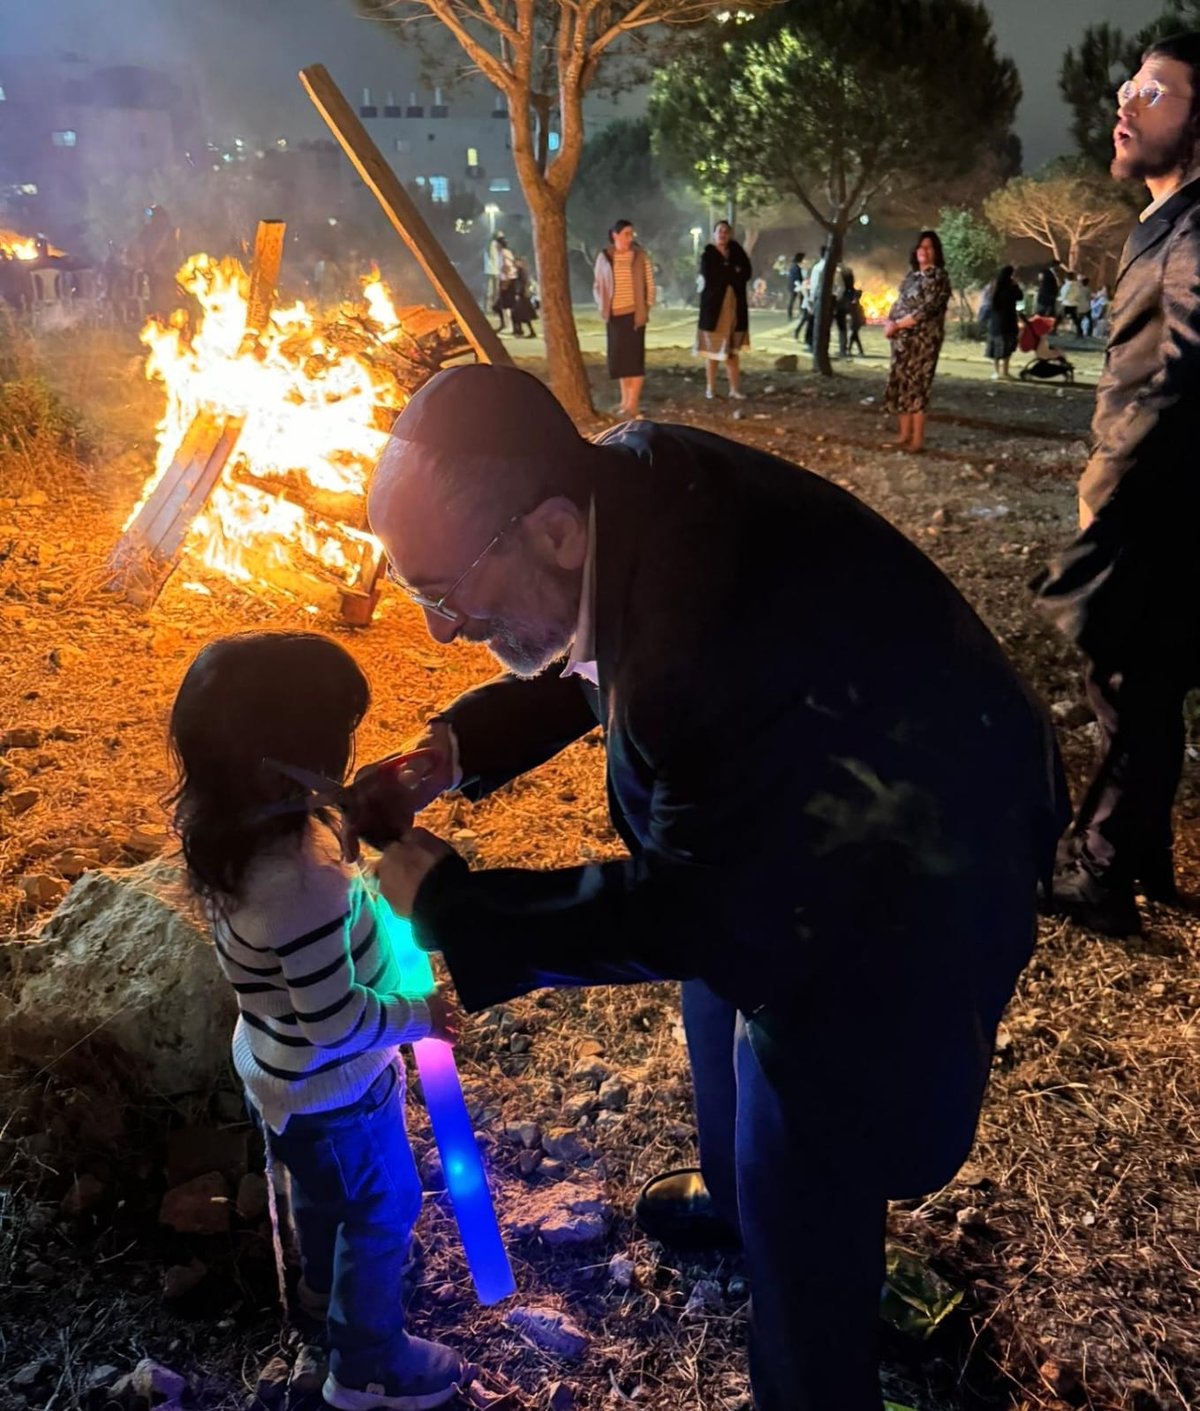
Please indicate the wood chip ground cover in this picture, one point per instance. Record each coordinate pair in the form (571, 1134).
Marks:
(1072, 1232)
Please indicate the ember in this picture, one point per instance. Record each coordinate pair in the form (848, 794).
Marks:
(23, 247)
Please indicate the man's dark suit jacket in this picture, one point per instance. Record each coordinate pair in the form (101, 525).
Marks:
(1128, 587)
(836, 793)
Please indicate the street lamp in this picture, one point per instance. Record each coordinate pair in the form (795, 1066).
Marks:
(491, 210)
(696, 232)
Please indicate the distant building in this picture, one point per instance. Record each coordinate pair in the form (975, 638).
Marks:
(67, 124)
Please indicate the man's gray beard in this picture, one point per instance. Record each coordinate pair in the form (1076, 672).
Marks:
(523, 656)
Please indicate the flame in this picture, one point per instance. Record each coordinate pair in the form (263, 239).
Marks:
(878, 298)
(308, 411)
(23, 247)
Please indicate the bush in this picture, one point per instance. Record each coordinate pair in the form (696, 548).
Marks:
(41, 434)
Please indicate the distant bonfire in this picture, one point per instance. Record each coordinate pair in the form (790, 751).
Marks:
(25, 247)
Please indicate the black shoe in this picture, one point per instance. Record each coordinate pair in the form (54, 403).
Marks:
(1155, 879)
(1093, 903)
(677, 1209)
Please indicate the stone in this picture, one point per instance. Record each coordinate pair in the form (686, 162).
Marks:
(1071, 714)
(705, 1294)
(433, 1178)
(69, 733)
(528, 1163)
(588, 1048)
(72, 863)
(21, 737)
(198, 1207)
(789, 362)
(27, 1375)
(567, 1213)
(87, 1191)
(271, 1386)
(565, 1144)
(156, 1382)
(22, 800)
(308, 1372)
(124, 976)
(567, 1229)
(520, 1043)
(147, 841)
(579, 1106)
(41, 889)
(621, 1271)
(552, 1170)
(550, 1330)
(613, 1095)
(180, 1279)
(560, 1396)
(100, 1376)
(251, 1200)
(592, 1071)
(529, 1134)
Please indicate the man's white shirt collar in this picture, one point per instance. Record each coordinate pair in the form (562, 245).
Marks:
(582, 661)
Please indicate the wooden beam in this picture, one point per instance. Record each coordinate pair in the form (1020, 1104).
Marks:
(264, 275)
(402, 211)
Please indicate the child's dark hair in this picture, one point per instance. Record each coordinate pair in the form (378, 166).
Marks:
(296, 697)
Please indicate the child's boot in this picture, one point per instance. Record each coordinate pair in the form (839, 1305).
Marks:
(430, 1375)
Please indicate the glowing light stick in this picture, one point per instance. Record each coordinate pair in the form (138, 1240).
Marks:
(453, 1131)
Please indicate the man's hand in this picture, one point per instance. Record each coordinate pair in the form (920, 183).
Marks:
(445, 1017)
(387, 793)
(429, 775)
(889, 328)
(403, 866)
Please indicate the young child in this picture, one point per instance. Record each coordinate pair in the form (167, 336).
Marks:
(319, 1012)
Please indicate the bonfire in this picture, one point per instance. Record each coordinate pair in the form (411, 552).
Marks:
(309, 401)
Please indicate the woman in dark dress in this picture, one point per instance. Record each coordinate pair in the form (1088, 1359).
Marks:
(724, 325)
(1002, 321)
(915, 326)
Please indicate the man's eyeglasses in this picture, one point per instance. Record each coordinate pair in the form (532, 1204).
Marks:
(1144, 95)
(437, 606)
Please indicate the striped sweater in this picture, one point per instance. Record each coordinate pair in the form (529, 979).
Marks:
(320, 1014)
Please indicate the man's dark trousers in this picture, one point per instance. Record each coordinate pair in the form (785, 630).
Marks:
(1124, 820)
(811, 1225)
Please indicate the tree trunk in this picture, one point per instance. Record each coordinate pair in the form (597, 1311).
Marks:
(568, 376)
(1073, 255)
(835, 239)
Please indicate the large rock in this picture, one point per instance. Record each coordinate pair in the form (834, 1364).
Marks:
(123, 978)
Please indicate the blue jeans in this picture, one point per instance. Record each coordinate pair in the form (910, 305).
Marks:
(812, 1224)
(356, 1195)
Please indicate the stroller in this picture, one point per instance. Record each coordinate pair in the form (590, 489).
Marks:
(1047, 360)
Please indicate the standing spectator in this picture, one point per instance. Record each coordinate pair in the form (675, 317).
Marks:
(1127, 591)
(816, 278)
(1002, 322)
(916, 324)
(1047, 292)
(1085, 306)
(524, 310)
(723, 329)
(491, 268)
(1099, 320)
(848, 311)
(1069, 298)
(795, 283)
(624, 289)
(506, 280)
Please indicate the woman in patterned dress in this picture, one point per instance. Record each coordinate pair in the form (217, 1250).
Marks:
(915, 326)
(723, 329)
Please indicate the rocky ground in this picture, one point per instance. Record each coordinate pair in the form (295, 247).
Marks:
(136, 1267)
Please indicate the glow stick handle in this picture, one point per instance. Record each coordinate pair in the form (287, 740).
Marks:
(466, 1179)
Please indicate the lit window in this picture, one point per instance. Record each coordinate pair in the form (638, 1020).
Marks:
(403, 145)
(472, 156)
(65, 138)
(439, 189)
(500, 183)
(420, 181)
(555, 141)
(3, 95)
(28, 188)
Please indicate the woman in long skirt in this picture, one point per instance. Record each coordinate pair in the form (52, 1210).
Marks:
(916, 325)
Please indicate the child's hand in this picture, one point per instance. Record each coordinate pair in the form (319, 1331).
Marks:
(445, 1017)
(404, 865)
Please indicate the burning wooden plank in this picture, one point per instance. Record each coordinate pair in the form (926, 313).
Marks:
(150, 548)
(402, 211)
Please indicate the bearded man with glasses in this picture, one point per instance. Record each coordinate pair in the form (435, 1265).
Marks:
(835, 795)
(1127, 591)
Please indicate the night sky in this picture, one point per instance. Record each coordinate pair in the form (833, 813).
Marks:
(247, 52)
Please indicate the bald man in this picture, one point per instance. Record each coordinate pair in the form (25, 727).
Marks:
(836, 795)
